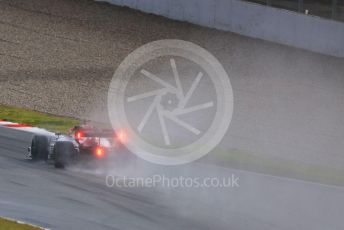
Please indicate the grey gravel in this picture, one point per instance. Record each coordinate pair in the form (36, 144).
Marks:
(58, 56)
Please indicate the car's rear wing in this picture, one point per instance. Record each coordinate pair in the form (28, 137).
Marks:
(102, 133)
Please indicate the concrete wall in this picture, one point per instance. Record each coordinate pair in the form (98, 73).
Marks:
(285, 27)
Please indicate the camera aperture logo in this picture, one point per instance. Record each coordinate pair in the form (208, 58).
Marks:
(173, 99)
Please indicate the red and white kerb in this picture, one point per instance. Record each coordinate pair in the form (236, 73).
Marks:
(24, 127)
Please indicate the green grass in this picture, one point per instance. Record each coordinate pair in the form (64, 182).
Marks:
(43, 120)
(12, 225)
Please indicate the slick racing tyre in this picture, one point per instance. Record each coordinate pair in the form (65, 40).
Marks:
(39, 147)
(65, 154)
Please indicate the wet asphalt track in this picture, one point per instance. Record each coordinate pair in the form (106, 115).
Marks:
(77, 199)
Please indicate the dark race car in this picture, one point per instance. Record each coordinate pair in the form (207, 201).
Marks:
(83, 142)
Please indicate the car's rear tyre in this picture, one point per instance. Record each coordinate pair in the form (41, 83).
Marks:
(65, 154)
(39, 148)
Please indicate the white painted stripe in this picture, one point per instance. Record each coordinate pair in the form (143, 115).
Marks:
(36, 130)
(6, 123)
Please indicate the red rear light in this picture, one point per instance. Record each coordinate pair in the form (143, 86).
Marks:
(79, 135)
(121, 136)
(99, 152)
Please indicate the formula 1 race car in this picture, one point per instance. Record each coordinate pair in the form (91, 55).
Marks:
(82, 141)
